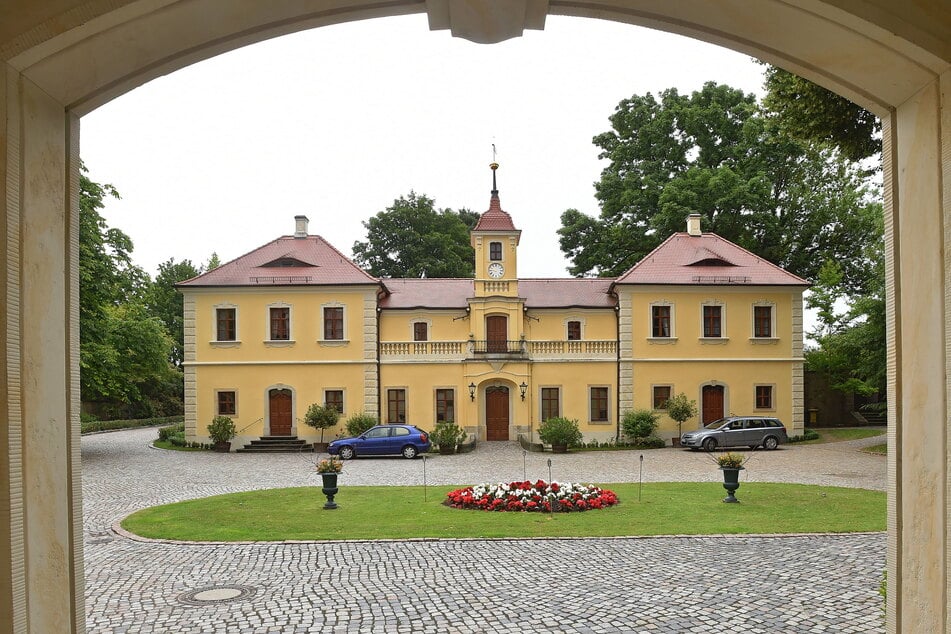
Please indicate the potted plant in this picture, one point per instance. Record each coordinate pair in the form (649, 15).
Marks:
(329, 469)
(560, 432)
(221, 431)
(680, 409)
(447, 435)
(731, 464)
(321, 417)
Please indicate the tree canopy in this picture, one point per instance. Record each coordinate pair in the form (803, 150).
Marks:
(412, 238)
(166, 302)
(716, 153)
(809, 112)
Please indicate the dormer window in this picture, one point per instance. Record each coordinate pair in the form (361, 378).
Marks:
(285, 262)
(495, 251)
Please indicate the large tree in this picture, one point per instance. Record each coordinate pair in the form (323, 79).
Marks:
(165, 302)
(715, 153)
(412, 238)
(811, 113)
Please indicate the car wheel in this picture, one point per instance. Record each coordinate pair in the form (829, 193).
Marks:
(770, 442)
(709, 444)
(409, 451)
(346, 453)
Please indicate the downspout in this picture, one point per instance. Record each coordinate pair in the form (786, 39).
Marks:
(617, 365)
(379, 365)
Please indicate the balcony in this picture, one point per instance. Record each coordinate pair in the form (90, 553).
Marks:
(598, 349)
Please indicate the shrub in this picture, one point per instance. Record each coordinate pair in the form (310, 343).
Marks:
(560, 431)
(651, 442)
(447, 434)
(164, 433)
(321, 417)
(109, 425)
(807, 434)
(177, 439)
(221, 429)
(681, 409)
(639, 423)
(359, 423)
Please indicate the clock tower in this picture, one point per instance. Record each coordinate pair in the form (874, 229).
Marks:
(495, 240)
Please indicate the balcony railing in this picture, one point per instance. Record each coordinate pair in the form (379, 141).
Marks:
(420, 350)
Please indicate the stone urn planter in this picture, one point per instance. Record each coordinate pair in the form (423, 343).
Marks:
(222, 447)
(731, 482)
(329, 489)
(447, 450)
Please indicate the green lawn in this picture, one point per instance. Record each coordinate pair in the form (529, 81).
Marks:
(879, 449)
(164, 444)
(401, 512)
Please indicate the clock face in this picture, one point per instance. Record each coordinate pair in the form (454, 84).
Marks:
(496, 270)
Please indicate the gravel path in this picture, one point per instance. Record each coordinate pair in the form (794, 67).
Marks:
(816, 583)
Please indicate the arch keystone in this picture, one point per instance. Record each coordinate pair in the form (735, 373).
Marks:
(486, 21)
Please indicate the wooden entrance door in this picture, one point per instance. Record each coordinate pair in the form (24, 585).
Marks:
(279, 407)
(497, 413)
(712, 403)
(496, 333)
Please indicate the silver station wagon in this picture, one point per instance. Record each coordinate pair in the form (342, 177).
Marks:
(737, 431)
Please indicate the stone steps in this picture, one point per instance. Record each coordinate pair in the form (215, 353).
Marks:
(277, 444)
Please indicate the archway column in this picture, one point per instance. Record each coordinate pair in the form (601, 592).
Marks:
(41, 574)
(917, 155)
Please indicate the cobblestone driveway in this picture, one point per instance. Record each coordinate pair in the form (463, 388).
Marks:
(667, 584)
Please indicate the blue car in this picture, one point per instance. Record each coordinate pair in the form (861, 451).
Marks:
(382, 440)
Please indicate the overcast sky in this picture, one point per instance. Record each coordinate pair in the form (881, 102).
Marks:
(337, 122)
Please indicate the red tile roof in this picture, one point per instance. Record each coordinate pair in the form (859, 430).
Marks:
(494, 219)
(538, 293)
(318, 263)
(706, 259)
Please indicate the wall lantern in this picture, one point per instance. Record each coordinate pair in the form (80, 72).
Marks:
(472, 391)
(523, 387)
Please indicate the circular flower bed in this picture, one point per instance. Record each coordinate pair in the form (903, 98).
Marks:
(537, 496)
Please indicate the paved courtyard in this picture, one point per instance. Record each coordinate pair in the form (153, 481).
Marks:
(818, 583)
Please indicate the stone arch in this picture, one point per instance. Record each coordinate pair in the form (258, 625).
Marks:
(62, 59)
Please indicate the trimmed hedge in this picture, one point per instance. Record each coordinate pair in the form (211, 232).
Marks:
(807, 435)
(111, 425)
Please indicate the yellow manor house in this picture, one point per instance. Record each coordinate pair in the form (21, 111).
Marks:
(295, 322)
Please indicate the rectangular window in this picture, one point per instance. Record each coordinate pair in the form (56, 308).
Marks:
(712, 321)
(660, 317)
(574, 331)
(420, 331)
(550, 402)
(445, 405)
(333, 323)
(762, 321)
(227, 329)
(764, 397)
(280, 324)
(227, 403)
(334, 399)
(396, 406)
(661, 396)
(495, 251)
(599, 404)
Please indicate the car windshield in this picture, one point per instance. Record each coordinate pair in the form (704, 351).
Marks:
(717, 424)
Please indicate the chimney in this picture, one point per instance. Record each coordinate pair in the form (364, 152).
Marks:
(693, 224)
(300, 226)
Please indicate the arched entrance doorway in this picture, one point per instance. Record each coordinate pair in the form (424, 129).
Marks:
(279, 412)
(497, 413)
(62, 59)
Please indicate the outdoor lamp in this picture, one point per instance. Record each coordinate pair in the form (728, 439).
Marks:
(523, 387)
(472, 391)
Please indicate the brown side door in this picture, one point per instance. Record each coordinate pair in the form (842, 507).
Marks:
(497, 413)
(280, 412)
(496, 333)
(712, 403)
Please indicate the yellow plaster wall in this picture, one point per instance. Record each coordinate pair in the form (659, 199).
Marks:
(552, 325)
(397, 325)
(306, 324)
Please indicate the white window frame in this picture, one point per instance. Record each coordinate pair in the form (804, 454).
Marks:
(581, 327)
(290, 325)
(346, 333)
(343, 397)
(214, 325)
(607, 420)
(386, 395)
(772, 397)
(455, 403)
(412, 329)
(772, 321)
(217, 403)
(673, 321)
(722, 306)
(654, 386)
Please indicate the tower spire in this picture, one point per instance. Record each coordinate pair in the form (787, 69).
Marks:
(494, 166)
